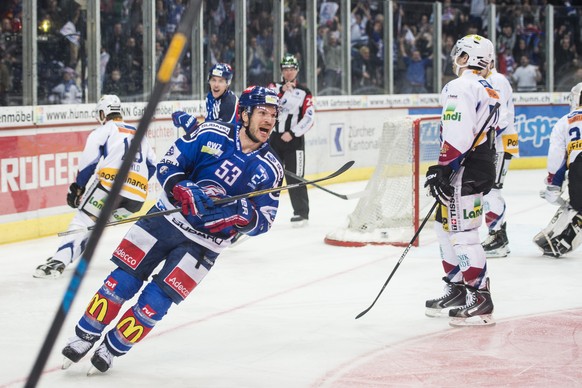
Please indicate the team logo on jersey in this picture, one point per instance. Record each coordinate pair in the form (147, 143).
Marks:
(170, 152)
(259, 177)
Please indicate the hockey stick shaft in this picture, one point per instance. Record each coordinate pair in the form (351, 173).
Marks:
(301, 179)
(175, 51)
(220, 201)
(432, 209)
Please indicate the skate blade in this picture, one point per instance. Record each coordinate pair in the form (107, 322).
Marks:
(93, 371)
(497, 253)
(66, 363)
(479, 320)
(438, 313)
(40, 274)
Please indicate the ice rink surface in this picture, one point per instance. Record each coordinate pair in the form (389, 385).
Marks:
(278, 311)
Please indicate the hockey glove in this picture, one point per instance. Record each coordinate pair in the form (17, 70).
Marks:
(74, 195)
(437, 180)
(194, 201)
(238, 214)
(551, 194)
(185, 121)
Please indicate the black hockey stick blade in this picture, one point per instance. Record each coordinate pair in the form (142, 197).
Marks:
(410, 244)
(299, 178)
(220, 201)
(473, 145)
(175, 51)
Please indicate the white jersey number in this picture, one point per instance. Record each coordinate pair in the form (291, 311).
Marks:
(228, 172)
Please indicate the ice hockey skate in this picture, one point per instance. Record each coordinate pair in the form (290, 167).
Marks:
(455, 296)
(299, 221)
(477, 311)
(101, 360)
(50, 270)
(75, 350)
(496, 244)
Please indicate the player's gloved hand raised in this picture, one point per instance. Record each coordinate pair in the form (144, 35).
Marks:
(74, 195)
(239, 214)
(438, 182)
(193, 199)
(185, 121)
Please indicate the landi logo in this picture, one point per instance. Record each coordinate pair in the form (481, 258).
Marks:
(476, 212)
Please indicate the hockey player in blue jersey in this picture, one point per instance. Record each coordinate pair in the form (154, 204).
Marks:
(221, 102)
(216, 160)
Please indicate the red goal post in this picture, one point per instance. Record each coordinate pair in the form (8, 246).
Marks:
(389, 211)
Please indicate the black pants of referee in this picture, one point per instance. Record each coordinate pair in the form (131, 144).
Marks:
(292, 154)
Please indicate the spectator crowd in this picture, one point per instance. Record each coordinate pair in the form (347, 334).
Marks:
(62, 58)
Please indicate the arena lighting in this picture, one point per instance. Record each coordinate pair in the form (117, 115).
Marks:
(45, 25)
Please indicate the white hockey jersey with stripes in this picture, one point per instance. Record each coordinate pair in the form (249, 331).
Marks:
(104, 151)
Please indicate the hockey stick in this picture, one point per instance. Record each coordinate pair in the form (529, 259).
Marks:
(424, 221)
(175, 51)
(220, 201)
(299, 178)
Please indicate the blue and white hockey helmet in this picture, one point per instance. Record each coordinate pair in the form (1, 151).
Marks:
(221, 70)
(257, 95)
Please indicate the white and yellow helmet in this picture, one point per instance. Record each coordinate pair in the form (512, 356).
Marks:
(108, 103)
(479, 49)
(575, 96)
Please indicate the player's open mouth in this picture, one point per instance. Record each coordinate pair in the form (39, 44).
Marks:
(264, 130)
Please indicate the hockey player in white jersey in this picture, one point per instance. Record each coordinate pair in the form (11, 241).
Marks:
(467, 103)
(563, 234)
(507, 146)
(216, 160)
(101, 158)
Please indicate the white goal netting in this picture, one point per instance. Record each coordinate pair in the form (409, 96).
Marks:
(394, 199)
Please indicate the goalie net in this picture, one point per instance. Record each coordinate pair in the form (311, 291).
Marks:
(394, 199)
